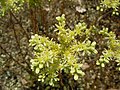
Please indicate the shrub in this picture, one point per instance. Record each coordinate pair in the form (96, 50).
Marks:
(112, 51)
(107, 4)
(54, 59)
(14, 5)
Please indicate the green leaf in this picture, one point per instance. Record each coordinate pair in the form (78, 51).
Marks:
(101, 9)
(75, 77)
(97, 63)
(102, 65)
(98, 8)
(37, 70)
(40, 66)
(72, 70)
(113, 12)
(93, 43)
(117, 13)
(58, 18)
(119, 68)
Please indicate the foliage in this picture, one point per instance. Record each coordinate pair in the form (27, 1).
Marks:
(52, 58)
(112, 52)
(14, 5)
(62, 55)
(107, 4)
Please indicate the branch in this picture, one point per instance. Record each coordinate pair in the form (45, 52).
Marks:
(24, 31)
(17, 41)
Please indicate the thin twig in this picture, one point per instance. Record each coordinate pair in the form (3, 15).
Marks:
(25, 32)
(102, 16)
(17, 41)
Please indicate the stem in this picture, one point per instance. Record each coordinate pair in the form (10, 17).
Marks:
(17, 41)
(33, 17)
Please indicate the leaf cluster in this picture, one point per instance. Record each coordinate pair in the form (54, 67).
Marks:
(52, 58)
(108, 4)
(112, 52)
(14, 5)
